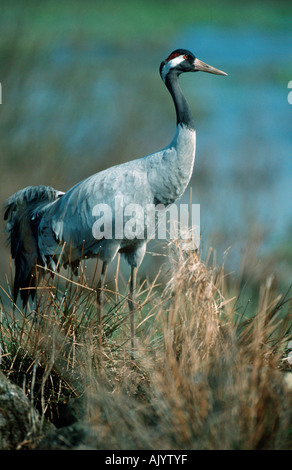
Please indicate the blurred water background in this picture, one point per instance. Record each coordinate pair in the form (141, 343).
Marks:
(81, 92)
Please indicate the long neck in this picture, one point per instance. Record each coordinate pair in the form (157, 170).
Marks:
(170, 170)
(183, 112)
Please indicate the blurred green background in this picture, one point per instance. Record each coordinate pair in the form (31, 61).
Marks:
(81, 92)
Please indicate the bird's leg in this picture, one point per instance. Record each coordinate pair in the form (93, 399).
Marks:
(100, 299)
(132, 301)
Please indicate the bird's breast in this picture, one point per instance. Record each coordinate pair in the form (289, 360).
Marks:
(172, 168)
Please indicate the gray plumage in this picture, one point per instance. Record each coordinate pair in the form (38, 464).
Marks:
(40, 219)
(23, 238)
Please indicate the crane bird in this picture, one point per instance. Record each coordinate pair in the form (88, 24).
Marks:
(41, 219)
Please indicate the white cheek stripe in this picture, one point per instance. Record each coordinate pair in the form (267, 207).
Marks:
(170, 65)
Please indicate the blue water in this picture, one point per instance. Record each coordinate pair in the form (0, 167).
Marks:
(245, 141)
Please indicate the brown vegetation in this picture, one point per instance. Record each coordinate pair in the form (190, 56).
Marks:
(206, 375)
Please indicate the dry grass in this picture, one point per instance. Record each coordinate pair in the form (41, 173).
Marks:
(205, 375)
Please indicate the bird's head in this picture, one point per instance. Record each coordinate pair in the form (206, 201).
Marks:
(182, 60)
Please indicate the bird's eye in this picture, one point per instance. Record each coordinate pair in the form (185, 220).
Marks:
(185, 57)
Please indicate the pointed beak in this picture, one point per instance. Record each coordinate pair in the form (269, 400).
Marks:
(199, 65)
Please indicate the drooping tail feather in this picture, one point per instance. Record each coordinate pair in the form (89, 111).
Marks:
(23, 214)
